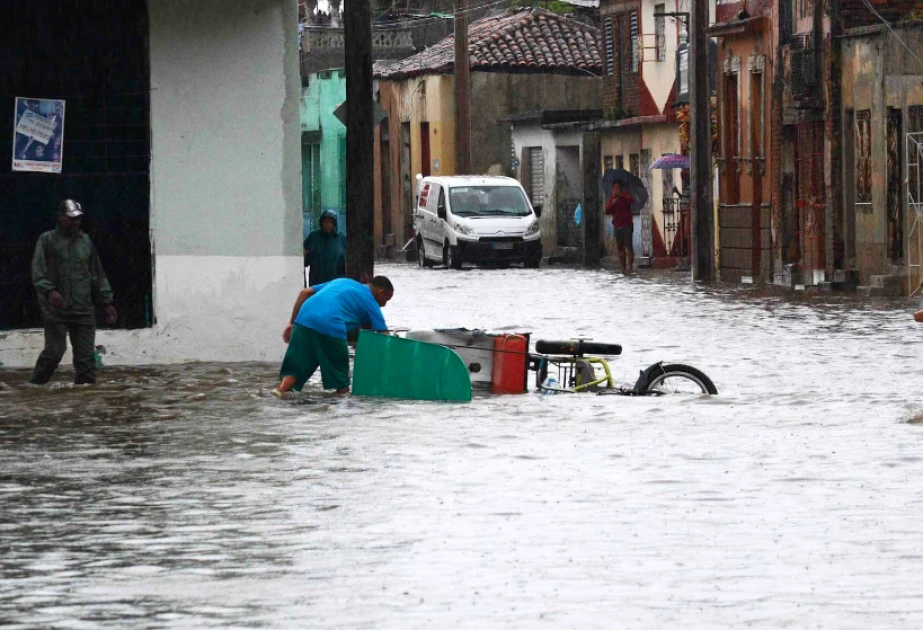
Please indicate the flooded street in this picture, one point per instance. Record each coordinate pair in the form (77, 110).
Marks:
(186, 497)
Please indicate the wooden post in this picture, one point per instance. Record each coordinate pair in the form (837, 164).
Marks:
(360, 200)
(462, 91)
(701, 205)
(592, 237)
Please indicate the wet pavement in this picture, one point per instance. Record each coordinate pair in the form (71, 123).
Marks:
(186, 497)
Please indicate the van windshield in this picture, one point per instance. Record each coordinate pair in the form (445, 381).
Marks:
(488, 201)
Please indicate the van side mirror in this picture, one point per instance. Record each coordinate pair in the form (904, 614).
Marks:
(440, 211)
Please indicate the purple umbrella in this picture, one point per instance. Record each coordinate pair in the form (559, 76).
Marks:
(671, 160)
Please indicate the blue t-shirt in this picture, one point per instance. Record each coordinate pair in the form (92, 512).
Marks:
(340, 305)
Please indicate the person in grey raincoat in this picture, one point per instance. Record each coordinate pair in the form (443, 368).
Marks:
(325, 251)
(70, 282)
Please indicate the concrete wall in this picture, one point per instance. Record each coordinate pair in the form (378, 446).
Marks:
(225, 185)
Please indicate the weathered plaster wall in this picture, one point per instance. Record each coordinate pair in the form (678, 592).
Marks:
(877, 73)
(556, 179)
(497, 96)
(735, 220)
(225, 186)
(532, 135)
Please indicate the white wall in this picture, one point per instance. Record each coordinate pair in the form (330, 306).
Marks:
(659, 76)
(531, 134)
(225, 186)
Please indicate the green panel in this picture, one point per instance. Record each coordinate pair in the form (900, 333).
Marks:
(393, 367)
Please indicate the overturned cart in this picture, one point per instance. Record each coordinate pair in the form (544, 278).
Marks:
(448, 364)
(440, 364)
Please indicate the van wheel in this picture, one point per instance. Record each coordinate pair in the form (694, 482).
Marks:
(533, 263)
(422, 260)
(450, 257)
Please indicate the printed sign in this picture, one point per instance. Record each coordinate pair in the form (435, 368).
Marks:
(38, 143)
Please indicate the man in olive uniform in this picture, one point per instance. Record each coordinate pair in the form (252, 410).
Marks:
(70, 282)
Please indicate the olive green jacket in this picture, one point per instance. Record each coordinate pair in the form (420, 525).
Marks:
(70, 266)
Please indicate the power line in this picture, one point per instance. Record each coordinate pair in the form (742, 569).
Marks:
(885, 22)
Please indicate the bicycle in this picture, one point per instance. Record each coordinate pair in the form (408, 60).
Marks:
(577, 372)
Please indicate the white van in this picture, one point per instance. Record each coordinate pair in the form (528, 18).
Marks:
(480, 220)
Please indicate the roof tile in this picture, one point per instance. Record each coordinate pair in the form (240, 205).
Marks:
(533, 38)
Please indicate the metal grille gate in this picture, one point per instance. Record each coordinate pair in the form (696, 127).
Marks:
(811, 196)
(914, 170)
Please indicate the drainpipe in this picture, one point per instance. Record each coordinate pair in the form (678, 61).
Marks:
(833, 176)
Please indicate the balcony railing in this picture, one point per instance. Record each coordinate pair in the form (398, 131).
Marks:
(323, 38)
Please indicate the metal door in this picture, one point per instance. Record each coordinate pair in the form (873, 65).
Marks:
(895, 199)
(647, 242)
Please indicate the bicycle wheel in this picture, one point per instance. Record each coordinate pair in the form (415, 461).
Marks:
(676, 378)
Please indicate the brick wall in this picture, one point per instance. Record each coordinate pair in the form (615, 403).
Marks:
(619, 91)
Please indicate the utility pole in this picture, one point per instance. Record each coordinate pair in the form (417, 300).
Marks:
(360, 199)
(462, 91)
(702, 206)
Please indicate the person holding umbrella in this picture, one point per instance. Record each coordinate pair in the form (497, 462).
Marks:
(619, 207)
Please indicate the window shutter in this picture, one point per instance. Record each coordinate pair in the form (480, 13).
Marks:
(525, 170)
(634, 42)
(537, 193)
(607, 44)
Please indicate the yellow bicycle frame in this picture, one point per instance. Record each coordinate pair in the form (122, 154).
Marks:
(607, 379)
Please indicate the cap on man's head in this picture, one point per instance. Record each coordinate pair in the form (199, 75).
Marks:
(71, 208)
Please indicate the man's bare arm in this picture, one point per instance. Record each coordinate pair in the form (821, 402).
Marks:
(302, 298)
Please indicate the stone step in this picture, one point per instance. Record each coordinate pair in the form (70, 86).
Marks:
(875, 291)
(891, 284)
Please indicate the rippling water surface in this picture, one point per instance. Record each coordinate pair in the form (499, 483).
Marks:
(186, 497)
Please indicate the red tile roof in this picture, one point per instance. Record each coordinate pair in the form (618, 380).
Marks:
(533, 40)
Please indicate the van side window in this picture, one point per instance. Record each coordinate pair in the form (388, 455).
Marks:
(423, 195)
(433, 198)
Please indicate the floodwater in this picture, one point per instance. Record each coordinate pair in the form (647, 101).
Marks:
(186, 497)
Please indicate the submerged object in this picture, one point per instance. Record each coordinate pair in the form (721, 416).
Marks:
(393, 367)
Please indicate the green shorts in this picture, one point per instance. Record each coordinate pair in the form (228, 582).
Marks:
(308, 350)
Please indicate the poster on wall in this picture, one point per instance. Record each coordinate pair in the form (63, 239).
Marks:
(38, 138)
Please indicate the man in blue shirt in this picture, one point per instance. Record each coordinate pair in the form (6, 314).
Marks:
(316, 334)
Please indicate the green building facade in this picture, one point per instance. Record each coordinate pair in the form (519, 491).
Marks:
(323, 148)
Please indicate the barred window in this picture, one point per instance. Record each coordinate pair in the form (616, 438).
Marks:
(864, 156)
